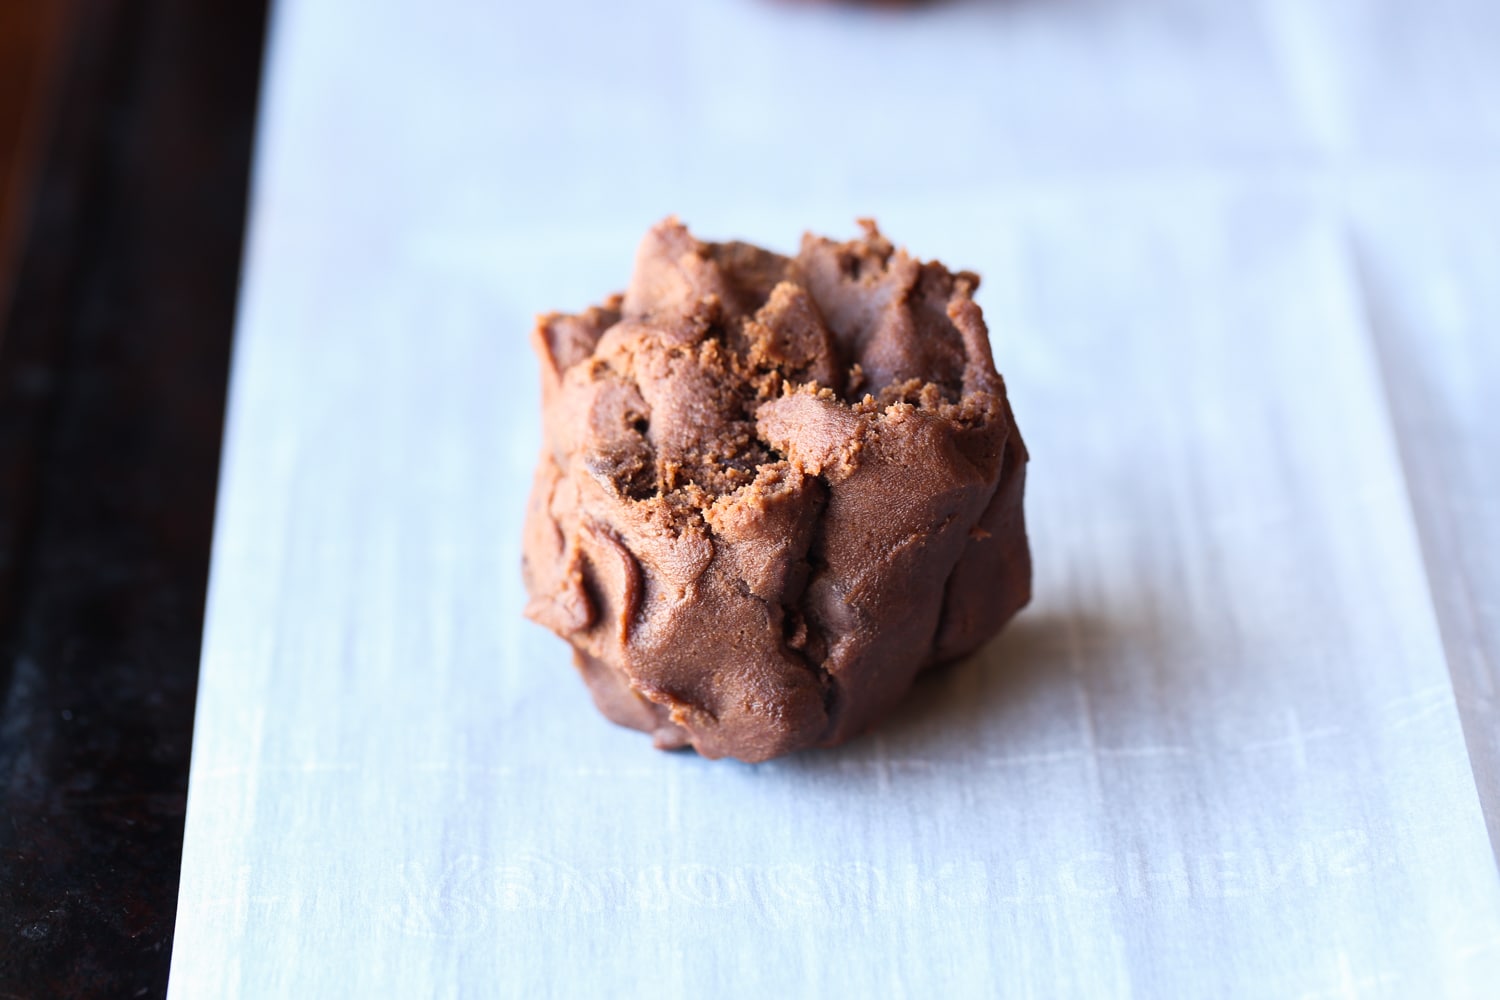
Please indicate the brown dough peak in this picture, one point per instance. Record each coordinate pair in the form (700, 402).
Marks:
(773, 489)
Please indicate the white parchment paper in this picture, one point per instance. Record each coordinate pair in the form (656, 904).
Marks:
(1240, 267)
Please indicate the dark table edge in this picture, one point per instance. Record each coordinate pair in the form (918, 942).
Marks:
(114, 363)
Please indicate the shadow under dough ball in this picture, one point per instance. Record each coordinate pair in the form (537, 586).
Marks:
(773, 489)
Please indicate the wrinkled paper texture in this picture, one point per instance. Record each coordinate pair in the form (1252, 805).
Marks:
(1242, 271)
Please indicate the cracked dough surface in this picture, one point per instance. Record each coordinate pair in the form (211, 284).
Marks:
(773, 489)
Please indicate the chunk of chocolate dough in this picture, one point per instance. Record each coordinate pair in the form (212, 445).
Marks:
(773, 490)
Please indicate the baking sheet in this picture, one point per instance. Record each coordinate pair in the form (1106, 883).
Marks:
(1238, 272)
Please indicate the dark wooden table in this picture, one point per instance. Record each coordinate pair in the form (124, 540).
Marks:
(125, 137)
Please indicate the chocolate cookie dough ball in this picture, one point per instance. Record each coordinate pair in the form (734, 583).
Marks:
(773, 490)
